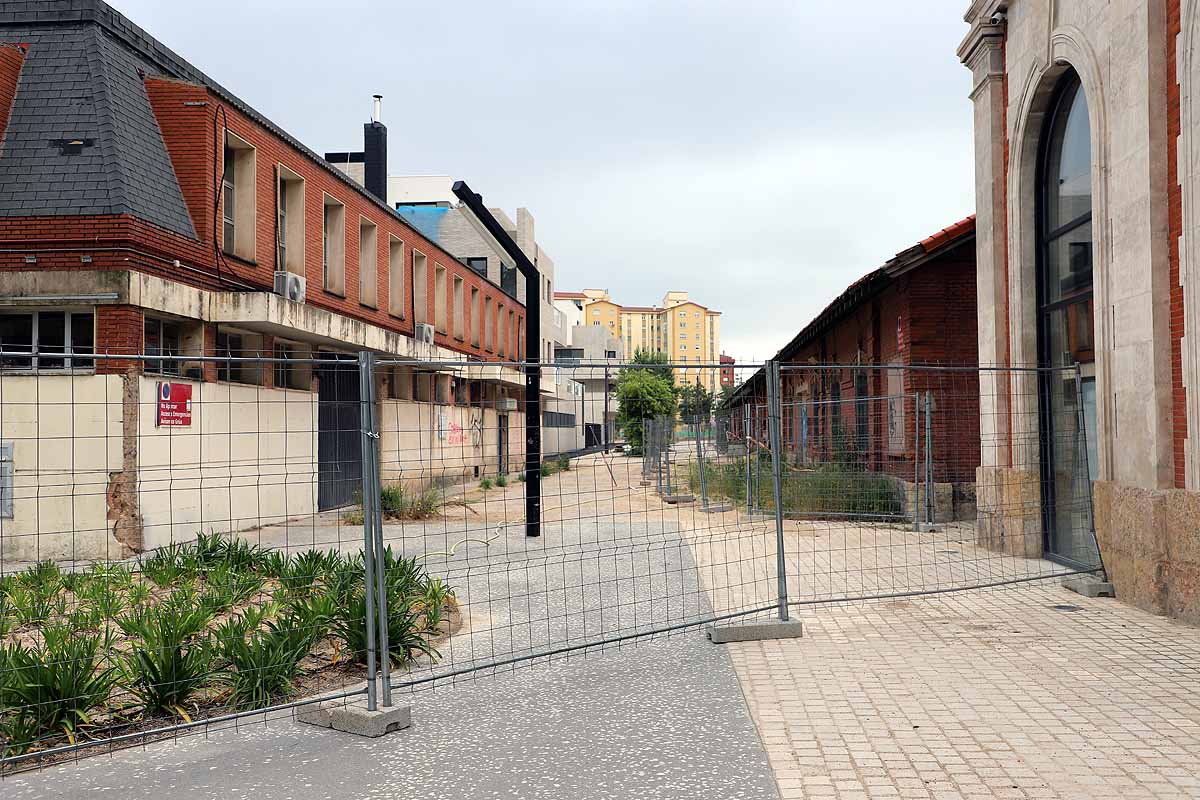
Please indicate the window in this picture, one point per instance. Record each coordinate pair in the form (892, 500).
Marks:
(508, 280)
(501, 334)
(333, 247)
(1065, 322)
(291, 376)
(610, 353)
(54, 340)
(440, 310)
(368, 263)
(478, 265)
(488, 329)
(395, 277)
(420, 287)
(161, 338)
(238, 198)
(557, 419)
(476, 321)
(509, 333)
(400, 383)
(236, 345)
(290, 232)
(460, 311)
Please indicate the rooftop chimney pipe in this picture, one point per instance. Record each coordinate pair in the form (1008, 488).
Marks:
(375, 154)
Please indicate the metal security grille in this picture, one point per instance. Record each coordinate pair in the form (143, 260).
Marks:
(177, 553)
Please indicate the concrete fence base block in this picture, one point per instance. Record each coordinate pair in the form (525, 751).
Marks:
(676, 499)
(717, 508)
(761, 517)
(756, 631)
(353, 717)
(1089, 586)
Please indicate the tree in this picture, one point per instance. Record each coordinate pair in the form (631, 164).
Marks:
(695, 401)
(654, 363)
(725, 397)
(642, 394)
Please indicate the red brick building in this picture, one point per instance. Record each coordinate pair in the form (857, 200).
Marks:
(727, 370)
(147, 210)
(851, 379)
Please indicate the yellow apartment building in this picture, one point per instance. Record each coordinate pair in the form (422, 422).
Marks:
(682, 329)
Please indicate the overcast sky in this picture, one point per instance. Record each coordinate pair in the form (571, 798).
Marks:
(761, 155)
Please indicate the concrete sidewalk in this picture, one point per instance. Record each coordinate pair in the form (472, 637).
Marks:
(663, 719)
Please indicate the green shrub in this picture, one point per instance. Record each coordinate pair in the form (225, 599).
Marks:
(264, 664)
(485, 484)
(170, 659)
(436, 597)
(169, 564)
(405, 585)
(226, 586)
(35, 604)
(52, 687)
(563, 462)
(502, 481)
(398, 503)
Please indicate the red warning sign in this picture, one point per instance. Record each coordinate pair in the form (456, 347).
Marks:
(174, 405)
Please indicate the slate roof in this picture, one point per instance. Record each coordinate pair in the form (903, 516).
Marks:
(79, 82)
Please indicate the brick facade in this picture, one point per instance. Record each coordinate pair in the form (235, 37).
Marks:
(1179, 430)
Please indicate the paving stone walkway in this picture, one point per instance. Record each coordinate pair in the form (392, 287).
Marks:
(1029, 692)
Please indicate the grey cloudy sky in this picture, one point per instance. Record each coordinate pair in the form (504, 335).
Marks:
(761, 155)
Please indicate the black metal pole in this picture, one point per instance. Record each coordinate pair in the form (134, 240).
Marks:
(533, 347)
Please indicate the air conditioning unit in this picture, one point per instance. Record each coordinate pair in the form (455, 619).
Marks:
(424, 333)
(506, 404)
(290, 286)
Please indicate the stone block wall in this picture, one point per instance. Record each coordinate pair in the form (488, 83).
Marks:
(1150, 543)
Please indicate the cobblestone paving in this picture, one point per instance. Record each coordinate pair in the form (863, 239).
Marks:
(978, 695)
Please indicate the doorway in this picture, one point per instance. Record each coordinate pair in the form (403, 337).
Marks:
(339, 444)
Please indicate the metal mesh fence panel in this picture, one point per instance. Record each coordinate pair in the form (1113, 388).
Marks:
(169, 557)
(189, 542)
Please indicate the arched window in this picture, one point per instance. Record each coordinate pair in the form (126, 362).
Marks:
(1066, 331)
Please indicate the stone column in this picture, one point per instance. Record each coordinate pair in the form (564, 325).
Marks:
(983, 53)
